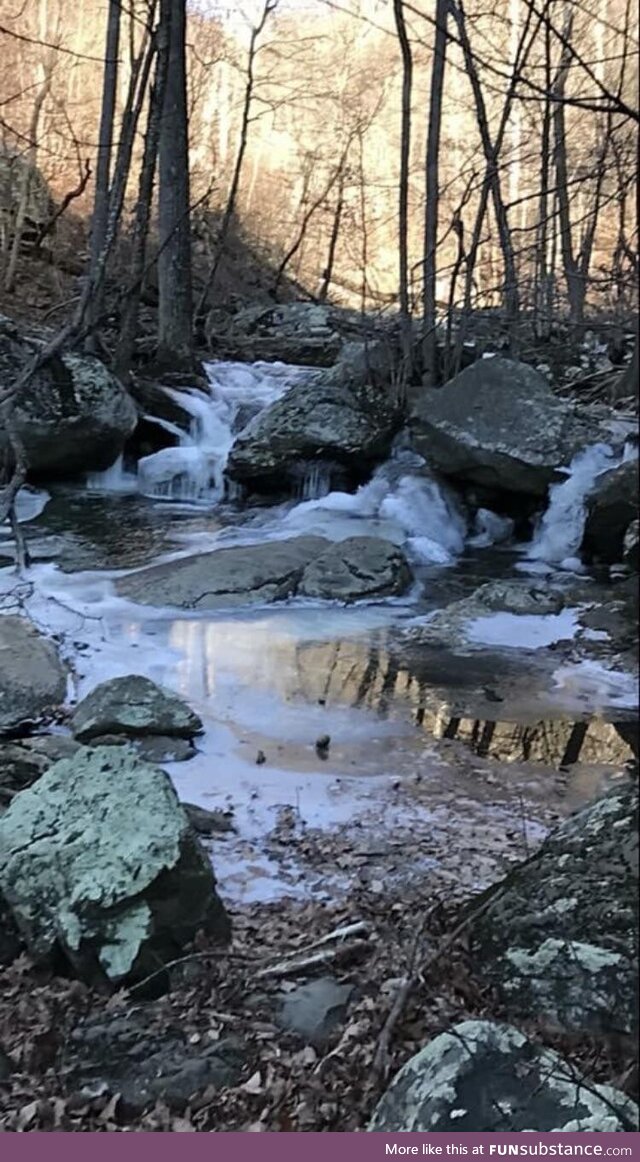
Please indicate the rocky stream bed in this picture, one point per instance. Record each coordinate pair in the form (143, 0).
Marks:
(336, 716)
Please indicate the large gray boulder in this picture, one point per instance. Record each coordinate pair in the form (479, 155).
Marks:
(611, 508)
(240, 575)
(133, 706)
(352, 570)
(356, 569)
(558, 936)
(483, 1077)
(98, 861)
(33, 680)
(498, 424)
(72, 417)
(25, 760)
(345, 424)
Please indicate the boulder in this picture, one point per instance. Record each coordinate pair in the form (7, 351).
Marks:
(482, 1077)
(240, 575)
(305, 334)
(33, 680)
(154, 748)
(356, 569)
(557, 937)
(72, 417)
(99, 862)
(133, 706)
(347, 425)
(145, 1060)
(611, 508)
(454, 625)
(498, 425)
(350, 570)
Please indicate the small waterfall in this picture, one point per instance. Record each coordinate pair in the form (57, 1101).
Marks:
(559, 535)
(192, 471)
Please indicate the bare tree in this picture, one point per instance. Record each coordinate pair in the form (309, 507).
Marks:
(432, 195)
(403, 192)
(175, 310)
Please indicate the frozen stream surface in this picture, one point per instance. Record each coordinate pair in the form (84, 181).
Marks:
(458, 799)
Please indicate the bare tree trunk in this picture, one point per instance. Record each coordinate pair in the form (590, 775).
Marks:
(229, 211)
(569, 261)
(491, 153)
(175, 311)
(403, 195)
(327, 274)
(306, 220)
(542, 275)
(432, 197)
(100, 214)
(129, 324)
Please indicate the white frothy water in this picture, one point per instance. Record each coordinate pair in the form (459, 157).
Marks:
(559, 536)
(402, 502)
(192, 472)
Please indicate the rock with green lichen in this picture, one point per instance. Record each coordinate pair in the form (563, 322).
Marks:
(99, 862)
(73, 416)
(558, 937)
(133, 706)
(484, 1077)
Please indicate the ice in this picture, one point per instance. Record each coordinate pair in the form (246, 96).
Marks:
(591, 682)
(559, 535)
(524, 631)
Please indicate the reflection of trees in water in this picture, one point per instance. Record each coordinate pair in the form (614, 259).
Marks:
(367, 674)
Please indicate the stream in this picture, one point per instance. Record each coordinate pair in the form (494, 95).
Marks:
(447, 759)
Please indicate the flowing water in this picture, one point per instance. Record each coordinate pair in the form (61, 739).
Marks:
(272, 680)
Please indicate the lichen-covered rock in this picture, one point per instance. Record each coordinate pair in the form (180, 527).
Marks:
(559, 936)
(611, 508)
(33, 680)
(98, 861)
(72, 417)
(348, 425)
(133, 706)
(484, 1077)
(356, 569)
(498, 424)
(240, 575)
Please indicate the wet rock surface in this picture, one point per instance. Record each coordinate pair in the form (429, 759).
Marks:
(98, 861)
(497, 424)
(73, 416)
(611, 509)
(33, 680)
(134, 706)
(484, 1077)
(123, 1055)
(558, 936)
(349, 570)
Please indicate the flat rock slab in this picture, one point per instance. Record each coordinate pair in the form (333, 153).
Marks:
(314, 1010)
(99, 861)
(499, 425)
(358, 568)
(482, 1077)
(153, 748)
(558, 936)
(33, 680)
(129, 1055)
(133, 706)
(240, 575)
